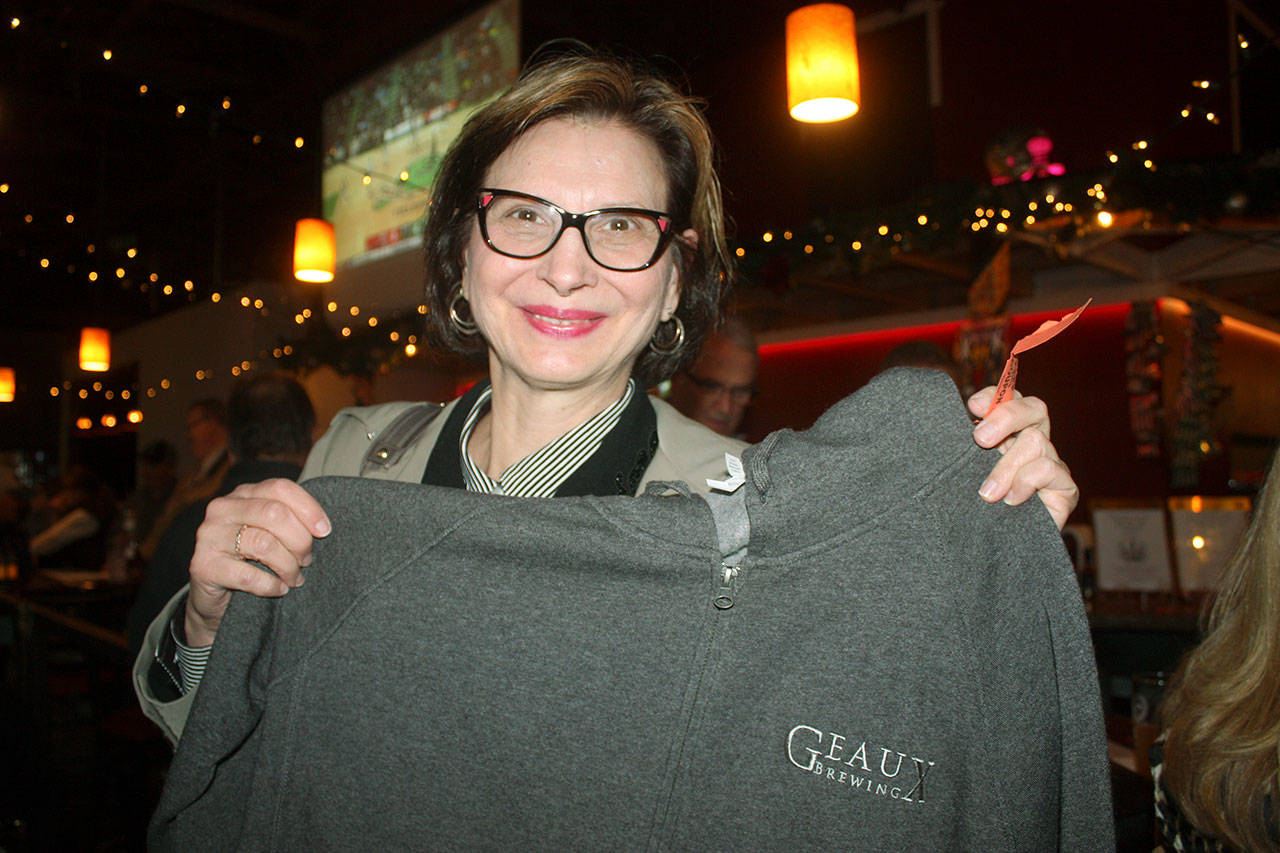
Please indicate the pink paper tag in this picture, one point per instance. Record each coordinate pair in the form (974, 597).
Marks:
(1047, 330)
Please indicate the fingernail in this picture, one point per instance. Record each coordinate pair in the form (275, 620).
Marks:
(982, 432)
(301, 580)
(323, 529)
(988, 490)
(284, 588)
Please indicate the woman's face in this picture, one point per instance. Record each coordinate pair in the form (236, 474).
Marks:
(561, 321)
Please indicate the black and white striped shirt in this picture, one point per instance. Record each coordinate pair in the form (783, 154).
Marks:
(539, 474)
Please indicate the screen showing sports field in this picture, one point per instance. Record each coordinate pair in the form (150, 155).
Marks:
(385, 135)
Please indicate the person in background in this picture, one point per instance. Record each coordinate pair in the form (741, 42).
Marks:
(718, 387)
(207, 439)
(82, 509)
(1216, 768)
(157, 476)
(270, 426)
(922, 353)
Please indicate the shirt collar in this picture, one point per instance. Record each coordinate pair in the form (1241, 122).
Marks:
(540, 473)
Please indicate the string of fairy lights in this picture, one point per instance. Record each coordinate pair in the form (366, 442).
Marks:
(357, 322)
(99, 263)
(873, 235)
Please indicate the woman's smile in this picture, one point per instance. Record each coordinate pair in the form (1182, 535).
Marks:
(562, 322)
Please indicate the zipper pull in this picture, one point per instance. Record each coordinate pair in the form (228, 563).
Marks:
(726, 586)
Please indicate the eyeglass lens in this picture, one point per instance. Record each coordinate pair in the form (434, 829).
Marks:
(523, 227)
(737, 393)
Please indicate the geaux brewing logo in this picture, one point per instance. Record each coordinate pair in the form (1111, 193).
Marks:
(875, 770)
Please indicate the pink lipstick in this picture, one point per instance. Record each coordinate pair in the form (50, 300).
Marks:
(562, 322)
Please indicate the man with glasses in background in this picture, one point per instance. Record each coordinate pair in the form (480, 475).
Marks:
(718, 387)
(206, 429)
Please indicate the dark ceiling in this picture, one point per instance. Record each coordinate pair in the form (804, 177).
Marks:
(211, 195)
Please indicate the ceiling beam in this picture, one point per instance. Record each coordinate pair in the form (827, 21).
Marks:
(1182, 259)
(930, 9)
(1106, 252)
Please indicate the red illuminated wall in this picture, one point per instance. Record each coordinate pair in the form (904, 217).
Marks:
(1079, 374)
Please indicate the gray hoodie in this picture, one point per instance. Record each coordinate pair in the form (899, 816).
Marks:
(893, 665)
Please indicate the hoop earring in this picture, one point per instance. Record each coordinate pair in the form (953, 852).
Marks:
(463, 326)
(675, 341)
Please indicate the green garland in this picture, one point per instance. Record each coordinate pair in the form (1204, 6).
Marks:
(943, 220)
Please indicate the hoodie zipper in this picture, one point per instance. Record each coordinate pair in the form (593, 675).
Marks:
(724, 589)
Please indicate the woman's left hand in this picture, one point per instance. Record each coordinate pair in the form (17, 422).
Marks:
(1029, 464)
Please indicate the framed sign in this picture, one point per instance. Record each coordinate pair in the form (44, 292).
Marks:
(1131, 546)
(1205, 533)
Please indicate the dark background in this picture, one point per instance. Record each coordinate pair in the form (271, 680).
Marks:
(201, 201)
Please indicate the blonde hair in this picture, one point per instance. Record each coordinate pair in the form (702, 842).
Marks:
(1222, 710)
(591, 86)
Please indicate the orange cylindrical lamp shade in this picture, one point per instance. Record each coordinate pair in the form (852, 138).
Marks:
(314, 251)
(822, 63)
(95, 349)
(8, 385)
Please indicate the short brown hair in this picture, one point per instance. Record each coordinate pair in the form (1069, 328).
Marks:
(593, 86)
(270, 416)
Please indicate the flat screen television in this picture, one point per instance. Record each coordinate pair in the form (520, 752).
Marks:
(396, 124)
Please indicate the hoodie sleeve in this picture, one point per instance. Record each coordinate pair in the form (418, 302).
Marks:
(224, 715)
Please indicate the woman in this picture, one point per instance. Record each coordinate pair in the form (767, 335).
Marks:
(576, 241)
(1218, 785)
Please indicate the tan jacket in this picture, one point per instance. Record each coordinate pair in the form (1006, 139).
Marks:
(687, 451)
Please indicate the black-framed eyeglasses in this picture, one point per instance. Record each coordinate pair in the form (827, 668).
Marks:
(624, 239)
(737, 393)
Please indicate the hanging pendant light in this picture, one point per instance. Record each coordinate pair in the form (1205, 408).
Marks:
(822, 63)
(95, 349)
(314, 252)
(8, 385)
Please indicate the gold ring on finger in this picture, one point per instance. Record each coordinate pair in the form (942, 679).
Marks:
(239, 533)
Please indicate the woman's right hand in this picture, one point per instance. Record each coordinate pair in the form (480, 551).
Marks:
(276, 521)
